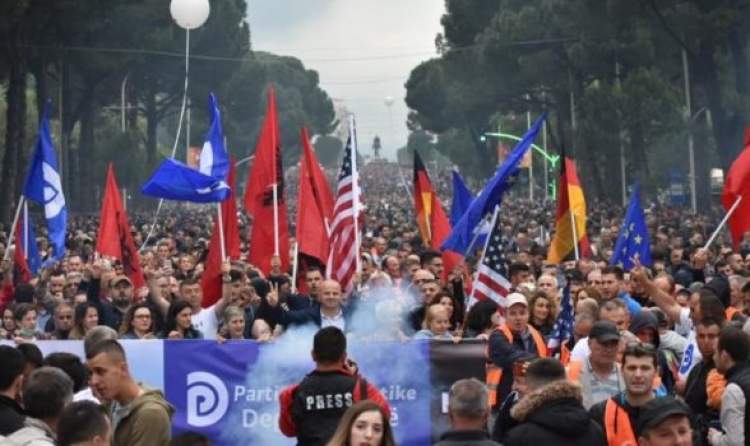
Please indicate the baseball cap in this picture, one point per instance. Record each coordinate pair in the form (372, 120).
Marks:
(658, 410)
(119, 279)
(604, 331)
(517, 298)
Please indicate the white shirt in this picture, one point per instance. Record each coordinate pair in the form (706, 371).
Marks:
(86, 395)
(207, 322)
(336, 321)
(581, 351)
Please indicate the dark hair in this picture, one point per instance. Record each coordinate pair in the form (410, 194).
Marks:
(457, 315)
(13, 364)
(108, 347)
(57, 272)
(313, 269)
(236, 275)
(24, 293)
(81, 421)
(21, 310)
(616, 270)
(79, 331)
(46, 392)
(187, 281)
(518, 267)
(710, 304)
(127, 321)
(175, 308)
(329, 345)
(544, 371)
(190, 438)
(735, 342)
(639, 350)
(551, 316)
(479, 317)
(426, 257)
(709, 321)
(32, 353)
(72, 366)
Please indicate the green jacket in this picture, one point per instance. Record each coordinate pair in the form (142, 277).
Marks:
(146, 421)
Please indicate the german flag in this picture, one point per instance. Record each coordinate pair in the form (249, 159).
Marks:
(434, 226)
(571, 206)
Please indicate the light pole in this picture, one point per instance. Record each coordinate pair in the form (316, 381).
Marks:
(690, 120)
(389, 101)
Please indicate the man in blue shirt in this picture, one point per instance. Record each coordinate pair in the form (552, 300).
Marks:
(612, 278)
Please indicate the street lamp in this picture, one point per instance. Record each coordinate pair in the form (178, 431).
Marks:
(389, 101)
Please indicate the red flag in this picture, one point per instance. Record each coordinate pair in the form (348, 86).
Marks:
(211, 281)
(314, 206)
(735, 186)
(266, 175)
(114, 238)
(21, 270)
(433, 224)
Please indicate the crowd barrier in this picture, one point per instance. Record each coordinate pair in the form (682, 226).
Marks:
(230, 391)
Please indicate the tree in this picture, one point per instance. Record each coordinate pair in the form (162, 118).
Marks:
(328, 150)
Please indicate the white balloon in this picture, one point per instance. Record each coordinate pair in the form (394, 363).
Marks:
(190, 14)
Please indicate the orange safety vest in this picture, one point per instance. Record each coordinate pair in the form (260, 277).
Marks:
(617, 425)
(564, 354)
(494, 374)
(730, 313)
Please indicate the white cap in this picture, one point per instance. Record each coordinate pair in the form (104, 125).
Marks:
(515, 299)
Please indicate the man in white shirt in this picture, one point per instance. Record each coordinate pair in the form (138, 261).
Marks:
(206, 320)
(731, 359)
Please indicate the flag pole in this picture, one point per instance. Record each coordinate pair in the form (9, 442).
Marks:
(723, 222)
(294, 268)
(355, 191)
(25, 225)
(473, 241)
(276, 218)
(21, 202)
(575, 235)
(219, 219)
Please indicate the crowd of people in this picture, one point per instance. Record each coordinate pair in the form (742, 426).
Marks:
(658, 354)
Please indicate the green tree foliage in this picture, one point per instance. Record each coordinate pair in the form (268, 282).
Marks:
(609, 72)
(328, 150)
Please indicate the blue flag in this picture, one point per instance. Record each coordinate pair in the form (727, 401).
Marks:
(460, 238)
(43, 185)
(565, 321)
(175, 180)
(632, 241)
(462, 198)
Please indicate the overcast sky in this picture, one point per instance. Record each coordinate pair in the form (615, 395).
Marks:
(363, 50)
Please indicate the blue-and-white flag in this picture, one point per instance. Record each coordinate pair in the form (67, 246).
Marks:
(175, 180)
(565, 322)
(43, 185)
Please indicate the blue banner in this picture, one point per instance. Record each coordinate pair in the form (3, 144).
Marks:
(230, 391)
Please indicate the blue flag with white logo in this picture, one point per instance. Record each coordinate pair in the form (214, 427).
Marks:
(632, 241)
(43, 185)
(462, 235)
(175, 180)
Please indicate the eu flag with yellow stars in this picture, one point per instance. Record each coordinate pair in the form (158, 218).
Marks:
(632, 242)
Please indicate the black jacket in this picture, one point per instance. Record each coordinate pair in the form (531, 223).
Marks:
(554, 415)
(11, 416)
(477, 437)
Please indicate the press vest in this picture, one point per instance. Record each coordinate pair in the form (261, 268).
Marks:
(319, 403)
(494, 375)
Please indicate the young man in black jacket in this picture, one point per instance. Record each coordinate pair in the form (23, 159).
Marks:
(552, 413)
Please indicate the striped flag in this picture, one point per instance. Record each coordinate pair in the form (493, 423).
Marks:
(491, 282)
(563, 329)
(343, 257)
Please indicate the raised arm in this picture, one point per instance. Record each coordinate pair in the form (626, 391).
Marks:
(662, 299)
(226, 290)
(152, 276)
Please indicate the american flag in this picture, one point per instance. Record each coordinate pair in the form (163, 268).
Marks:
(563, 329)
(491, 282)
(344, 239)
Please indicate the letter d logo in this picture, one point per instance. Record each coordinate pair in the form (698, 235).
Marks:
(207, 399)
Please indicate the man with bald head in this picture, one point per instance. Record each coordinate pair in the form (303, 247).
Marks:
(329, 311)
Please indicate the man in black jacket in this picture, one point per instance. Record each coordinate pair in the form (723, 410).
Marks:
(468, 411)
(12, 364)
(552, 413)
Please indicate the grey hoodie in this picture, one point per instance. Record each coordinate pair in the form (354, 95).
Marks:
(34, 433)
